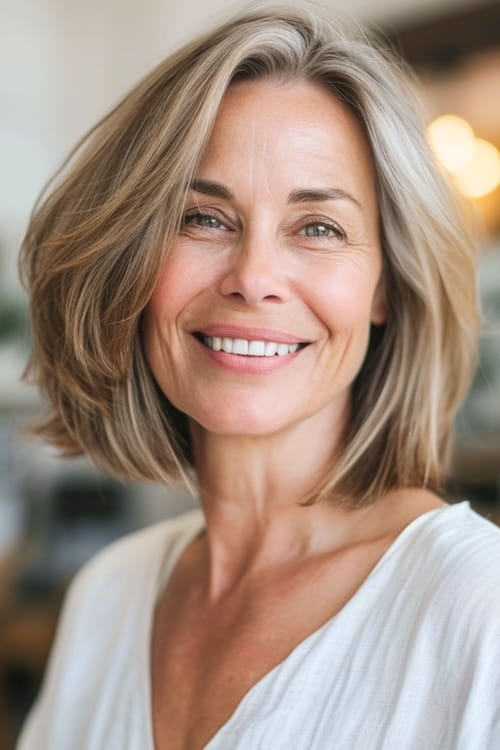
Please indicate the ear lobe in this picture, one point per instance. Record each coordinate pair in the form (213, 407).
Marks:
(379, 306)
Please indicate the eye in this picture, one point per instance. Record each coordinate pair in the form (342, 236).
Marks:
(204, 220)
(323, 229)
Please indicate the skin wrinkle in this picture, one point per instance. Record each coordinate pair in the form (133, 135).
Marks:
(218, 190)
(261, 270)
(355, 232)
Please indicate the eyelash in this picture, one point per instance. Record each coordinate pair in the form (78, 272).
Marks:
(336, 231)
(189, 215)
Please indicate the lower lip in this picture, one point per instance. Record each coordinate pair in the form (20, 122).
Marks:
(248, 365)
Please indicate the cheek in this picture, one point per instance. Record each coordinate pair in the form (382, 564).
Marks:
(175, 288)
(169, 312)
(167, 302)
(183, 279)
(343, 300)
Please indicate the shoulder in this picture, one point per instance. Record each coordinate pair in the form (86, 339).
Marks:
(120, 584)
(99, 655)
(454, 565)
(139, 547)
(464, 626)
(443, 574)
(464, 543)
(460, 544)
(130, 568)
(440, 614)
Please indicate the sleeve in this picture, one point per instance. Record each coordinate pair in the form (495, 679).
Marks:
(481, 718)
(477, 663)
(46, 721)
(97, 660)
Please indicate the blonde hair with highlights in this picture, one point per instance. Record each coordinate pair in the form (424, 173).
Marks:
(96, 245)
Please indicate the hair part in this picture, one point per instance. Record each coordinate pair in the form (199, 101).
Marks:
(95, 247)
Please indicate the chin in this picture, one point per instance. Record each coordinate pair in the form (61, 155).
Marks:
(249, 422)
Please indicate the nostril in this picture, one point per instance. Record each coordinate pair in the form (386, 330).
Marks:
(236, 295)
(254, 299)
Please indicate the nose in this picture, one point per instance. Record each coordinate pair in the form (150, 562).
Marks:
(255, 273)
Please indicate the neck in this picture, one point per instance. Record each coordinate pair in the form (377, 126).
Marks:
(253, 488)
(266, 471)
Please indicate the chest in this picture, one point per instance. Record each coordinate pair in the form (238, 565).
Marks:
(205, 663)
(355, 691)
(198, 680)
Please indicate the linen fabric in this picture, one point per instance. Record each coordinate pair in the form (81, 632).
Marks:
(411, 661)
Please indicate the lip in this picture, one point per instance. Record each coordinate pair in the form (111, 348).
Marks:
(250, 334)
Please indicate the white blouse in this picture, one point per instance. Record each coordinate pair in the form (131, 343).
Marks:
(411, 662)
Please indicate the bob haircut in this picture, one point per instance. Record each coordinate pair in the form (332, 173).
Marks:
(95, 248)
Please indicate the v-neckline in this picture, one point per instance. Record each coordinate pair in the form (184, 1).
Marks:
(164, 573)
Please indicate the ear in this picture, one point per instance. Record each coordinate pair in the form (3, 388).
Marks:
(379, 305)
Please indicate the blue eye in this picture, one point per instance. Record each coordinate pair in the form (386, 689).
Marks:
(320, 229)
(207, 221)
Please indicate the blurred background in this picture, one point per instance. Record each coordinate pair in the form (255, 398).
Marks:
(64, 63)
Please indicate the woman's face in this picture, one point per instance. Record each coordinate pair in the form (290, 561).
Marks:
(278, 262)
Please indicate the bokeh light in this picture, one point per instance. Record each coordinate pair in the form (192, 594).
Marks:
(473, 162)
(481, 174)
(452, 140)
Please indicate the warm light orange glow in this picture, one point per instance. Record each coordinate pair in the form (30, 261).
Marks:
(452, 140)
(473, 163)
(481, 174)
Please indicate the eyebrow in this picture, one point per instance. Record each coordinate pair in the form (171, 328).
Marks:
(217, 190)
(326, 194)
(208, 187)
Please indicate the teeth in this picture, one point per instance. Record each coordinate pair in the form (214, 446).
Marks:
(240, 346)
(249, 348)
(256, 348)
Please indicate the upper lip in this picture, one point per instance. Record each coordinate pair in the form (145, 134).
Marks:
(250, 334)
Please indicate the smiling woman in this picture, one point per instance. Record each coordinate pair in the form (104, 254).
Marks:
(270, 256)
(94, 252)
(254, 279)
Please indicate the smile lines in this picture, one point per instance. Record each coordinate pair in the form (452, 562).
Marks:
(248, 348)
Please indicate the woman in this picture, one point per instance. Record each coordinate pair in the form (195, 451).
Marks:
(255, 280)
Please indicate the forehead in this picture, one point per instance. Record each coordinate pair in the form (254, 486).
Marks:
(293, 131)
